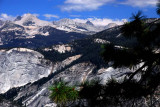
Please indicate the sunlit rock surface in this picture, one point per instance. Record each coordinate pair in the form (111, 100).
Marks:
(27, 69)
(38, 95)
(20, 66)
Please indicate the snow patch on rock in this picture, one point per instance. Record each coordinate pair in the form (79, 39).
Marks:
(32, 25)
(51, 105)
(62, 48)
(31, 18)
(97, 40)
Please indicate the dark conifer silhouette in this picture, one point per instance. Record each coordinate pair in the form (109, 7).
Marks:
(158, 7)
(145, 51)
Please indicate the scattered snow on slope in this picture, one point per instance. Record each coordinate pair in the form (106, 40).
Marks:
(32, 25)
(34, 21)
(62, 48)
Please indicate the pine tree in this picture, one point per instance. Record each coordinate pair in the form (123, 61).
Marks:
(158, 7)
(145, 51)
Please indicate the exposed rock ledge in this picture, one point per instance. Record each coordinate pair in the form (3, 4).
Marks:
(20, 66)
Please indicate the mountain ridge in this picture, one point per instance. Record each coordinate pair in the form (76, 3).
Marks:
(30, 21)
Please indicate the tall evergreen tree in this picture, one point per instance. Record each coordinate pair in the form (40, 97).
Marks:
(158, 7)
(145, 52)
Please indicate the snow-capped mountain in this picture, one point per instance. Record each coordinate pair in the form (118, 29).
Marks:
(89, 23)
(64, 21)
(26, 26)
(31, 26)
(28, 30)
(1, 22)
(31, 20)
(72, 26)
(111, 25)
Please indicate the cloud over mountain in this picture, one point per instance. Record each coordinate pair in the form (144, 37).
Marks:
(5, 17)
(101, 22)
(49, 16)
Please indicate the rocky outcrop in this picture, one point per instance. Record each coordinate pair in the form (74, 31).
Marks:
(97, 40)
(60, 48)
(20, 66)
(37, 94)
(6, 103)
(31, 75)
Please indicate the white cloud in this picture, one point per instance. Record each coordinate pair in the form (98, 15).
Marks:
(49, 16)
(140, 3)
(81, 5)
(101, 22)
(5, 17)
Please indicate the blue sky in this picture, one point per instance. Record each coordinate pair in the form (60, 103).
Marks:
(80, 10)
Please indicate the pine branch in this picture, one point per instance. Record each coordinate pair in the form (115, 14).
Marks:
(153, 23)
(137, 71)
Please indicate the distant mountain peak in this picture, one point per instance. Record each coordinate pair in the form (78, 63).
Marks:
(70, 25)
(65, 21)
(31, 20)
(110, 25)
(30, 25)
(89, 23)
(1, 22)
(29, 15)
(18, 18)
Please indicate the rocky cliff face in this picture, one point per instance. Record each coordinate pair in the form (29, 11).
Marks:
(20, 66)
(25, 75)
(36, 94)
